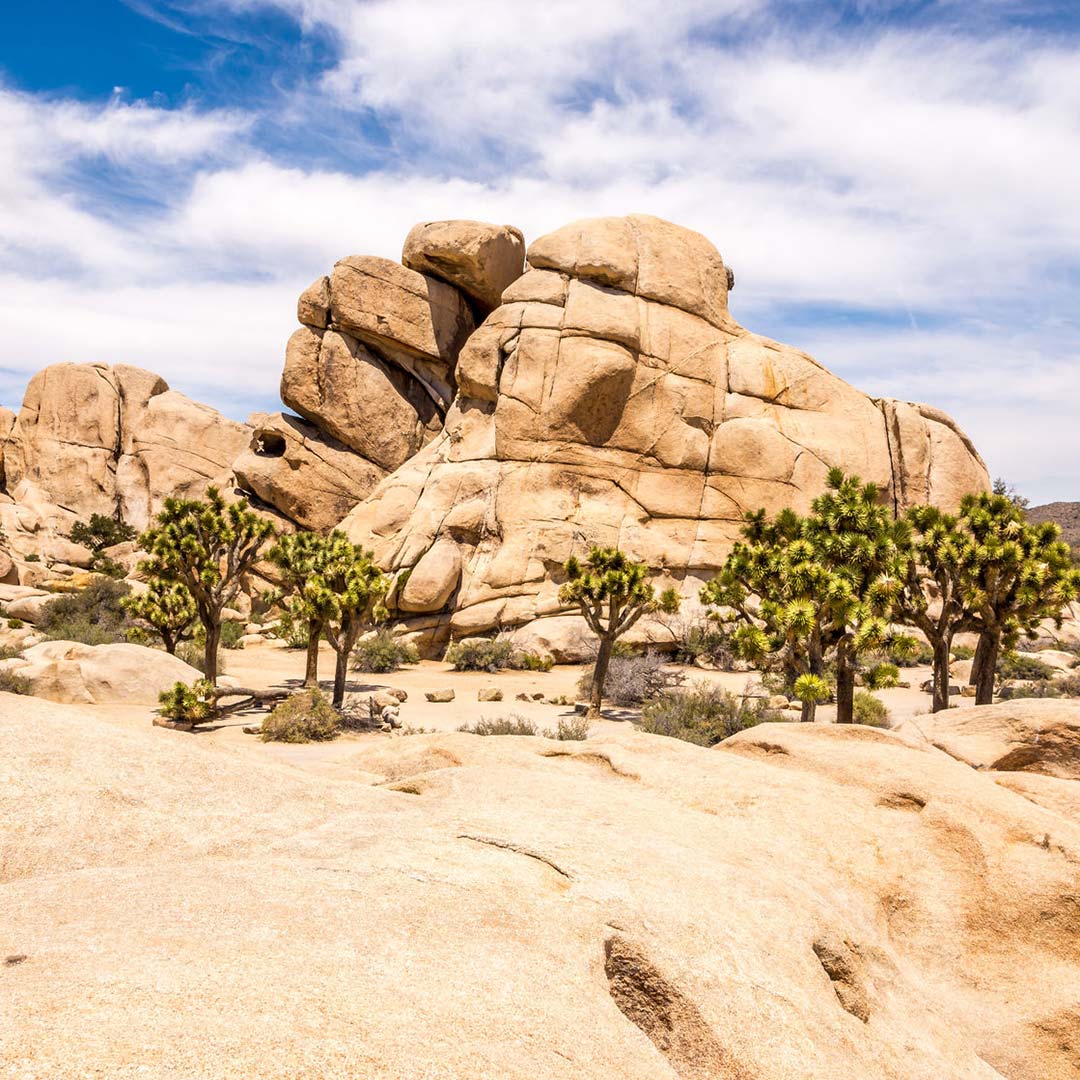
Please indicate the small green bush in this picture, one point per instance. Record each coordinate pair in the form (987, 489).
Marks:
(869, 710)
(231, 633)
(188, 704)
(191, 652)
(493, 654)
(15, 624)
(94, 615)
(704, 714)
(910, 652)
(1039, 688)
(569, 729)
(1069, 686)
(514, 724)
(963, 652)
(11, 682)
(703, 639)
(1018, 665)
(304, 717)
(381, 652)
(101, 532)
(882, 677)
(33, 557)
(294, 632)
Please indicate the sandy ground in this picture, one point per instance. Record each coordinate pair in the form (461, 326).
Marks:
(264, 667)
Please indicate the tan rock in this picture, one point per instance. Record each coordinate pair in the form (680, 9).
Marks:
(313, 307)
(7, 423)
(440, 696)
(433, 579)
(479, 259)
(375, 408)
(611, 399)
(418, 322)
(123, 674)
(313, 479)
(489, 693)
(893, 914)
(1026, 735)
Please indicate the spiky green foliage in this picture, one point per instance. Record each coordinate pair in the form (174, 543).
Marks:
(803, 590)
(167, 608)
(612, 593)
(210, 547)
(348, 586)
(812, 688)
(297, 558)
(188, 704)
(1015, 576)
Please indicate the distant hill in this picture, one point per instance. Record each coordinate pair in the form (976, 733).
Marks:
(1066, 514)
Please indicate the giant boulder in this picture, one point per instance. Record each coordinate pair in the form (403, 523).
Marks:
(612, 399)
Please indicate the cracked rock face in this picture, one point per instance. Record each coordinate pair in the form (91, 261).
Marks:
(612, 399)
(104, 440)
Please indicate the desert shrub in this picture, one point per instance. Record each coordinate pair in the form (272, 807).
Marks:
(632, 680)
(231, 633)
(514, 724)
(479, 654)
(704, 714)
(189, 704)
(191, 652)
(294, 632)
(304, 717)
(493, 654)
(1018, 665)
(882, 676)
(15, 624)
(101, 532)
(1039, 688)
(1069, 686)
(32, 557)
(906, 654)
(94, 615)
(870, 710)
(963, 652)
(382, 652)
(702, 639)
(569, 729)
(11, 682)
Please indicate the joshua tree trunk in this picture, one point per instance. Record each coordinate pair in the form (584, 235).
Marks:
(809, 712)
(979, 659)
(600, 670)
(942, 647)
(845, 686)
(984, 687)
(311, 670)
(169, 641)
(341, 670)
(210, 652)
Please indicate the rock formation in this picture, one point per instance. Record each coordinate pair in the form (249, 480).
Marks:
(475, 419)
(804, 902)
(611, 398)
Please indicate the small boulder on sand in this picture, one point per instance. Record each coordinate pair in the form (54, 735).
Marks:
(440, 695)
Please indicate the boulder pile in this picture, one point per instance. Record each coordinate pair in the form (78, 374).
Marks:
(477, 413)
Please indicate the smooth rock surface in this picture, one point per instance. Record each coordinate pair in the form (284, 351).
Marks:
(805, 902)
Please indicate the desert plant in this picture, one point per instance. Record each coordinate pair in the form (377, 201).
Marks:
(632, 680)
(296, 634)
(812, 688)
(569, 729)
(32, 557)
(95, 615)
(514, 724)
(15, 624)
(167, 608)
(101, 532)
(231, 633)
(704, 714)
(188, 704)
(381, 652)
(870, 710)
(193, 653)
(303, 717)
(11, 682)
(527, 661)
(479, 654)
(210, 547)
(612, 593)
(963, 652)
(1039, 688)
(882, 676)
(1018, 665)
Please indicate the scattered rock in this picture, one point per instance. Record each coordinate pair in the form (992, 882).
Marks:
(440, 695)
(489, 693)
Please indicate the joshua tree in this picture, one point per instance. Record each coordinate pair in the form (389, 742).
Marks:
(209, 547)
(297, 557)
(348, 586)
(804, 590)
(612, 593)
(167, 607)
(1016, 576)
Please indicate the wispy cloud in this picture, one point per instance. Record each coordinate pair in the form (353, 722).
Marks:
(899, 198)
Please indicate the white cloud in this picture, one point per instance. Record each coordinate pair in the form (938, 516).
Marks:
(924, 173)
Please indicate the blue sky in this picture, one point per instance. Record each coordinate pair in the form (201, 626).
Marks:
(894, 184)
